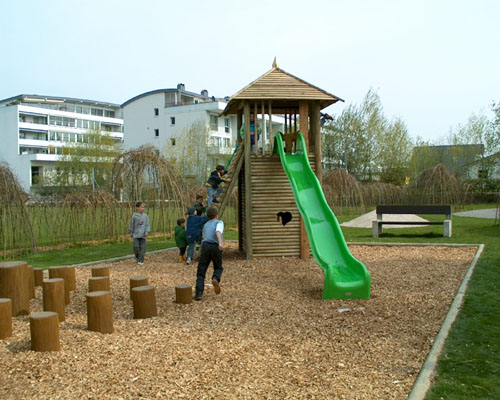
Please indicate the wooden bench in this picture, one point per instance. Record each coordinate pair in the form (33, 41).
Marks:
(381, 210)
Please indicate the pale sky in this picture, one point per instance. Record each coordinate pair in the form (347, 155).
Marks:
(433, 63)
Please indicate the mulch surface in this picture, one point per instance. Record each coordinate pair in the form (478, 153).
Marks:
(268, 335)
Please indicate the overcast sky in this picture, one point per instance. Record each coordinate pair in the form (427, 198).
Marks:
(433, 63)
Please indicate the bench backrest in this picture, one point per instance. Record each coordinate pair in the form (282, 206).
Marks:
(414, 210)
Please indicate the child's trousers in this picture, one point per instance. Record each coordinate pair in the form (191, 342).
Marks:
(139, 249)
(209, 252)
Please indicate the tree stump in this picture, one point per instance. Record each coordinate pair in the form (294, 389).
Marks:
(53, 297)
(99, 312)
(100, 270)
(144, 301)
(31, 282)
(139, 280)
(99, 283)
(71, 278)
(5, 318)
(38, 274)
(44, 328)
(14, 286)
(64, 273)
(183, 294)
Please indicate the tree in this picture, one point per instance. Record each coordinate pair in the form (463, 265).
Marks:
(87, 163)
(364, 142)
(189, 151)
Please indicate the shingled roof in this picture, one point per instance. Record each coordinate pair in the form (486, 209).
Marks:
(283, 89)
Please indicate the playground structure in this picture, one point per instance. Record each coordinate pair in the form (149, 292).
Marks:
(285, 179)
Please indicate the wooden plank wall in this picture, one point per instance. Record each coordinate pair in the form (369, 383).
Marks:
(271, 193)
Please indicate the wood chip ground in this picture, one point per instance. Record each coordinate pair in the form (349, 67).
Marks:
(268, 335)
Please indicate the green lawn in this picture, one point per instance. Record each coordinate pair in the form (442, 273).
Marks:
(469, 367)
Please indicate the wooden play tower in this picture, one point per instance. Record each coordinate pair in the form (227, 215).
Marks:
(263, 188)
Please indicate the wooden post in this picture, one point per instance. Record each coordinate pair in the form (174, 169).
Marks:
(316, 134)
(183, 294)
(53, 297)
(44, 329)
(100, 270)
(248, 183)
(139, 280)
(71, 277)
(38, 273)
(99, 283)
(31, 282)
(271, 133)
(64, 273)
(5, 318)
(304, 129)
(144, 301)
(14, 286)
(99, 312)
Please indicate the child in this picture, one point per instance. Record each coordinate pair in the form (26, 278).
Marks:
(139, 229)
(212, 185)
(211, 250)
(193, 231)
(180, 237)
(198, 205)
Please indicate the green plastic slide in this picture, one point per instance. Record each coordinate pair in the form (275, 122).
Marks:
(345, 277)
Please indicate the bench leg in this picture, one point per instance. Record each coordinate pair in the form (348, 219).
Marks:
(447, 228)
(375, 229)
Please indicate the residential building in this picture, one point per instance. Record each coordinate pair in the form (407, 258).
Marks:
(34, 129)
(183, 125)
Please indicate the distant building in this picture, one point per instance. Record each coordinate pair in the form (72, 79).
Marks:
(183, 125)
(34, 129)
(484, 168)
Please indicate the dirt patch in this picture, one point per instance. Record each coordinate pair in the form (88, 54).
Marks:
(267, 335)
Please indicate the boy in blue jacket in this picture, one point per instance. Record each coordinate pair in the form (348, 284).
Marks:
(194, 225)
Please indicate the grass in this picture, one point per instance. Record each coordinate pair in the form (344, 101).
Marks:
(469, 367)
(82, 254)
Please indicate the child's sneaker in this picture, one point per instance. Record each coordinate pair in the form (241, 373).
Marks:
(140, 262)
(188, 261)
(181, 259)
(198, 296)
(216, 286)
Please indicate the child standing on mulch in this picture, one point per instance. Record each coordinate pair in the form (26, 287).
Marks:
(211, 250)
(139, 229)
(193, 231)
(180, 237)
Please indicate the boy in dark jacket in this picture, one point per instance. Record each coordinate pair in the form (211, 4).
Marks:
(199, 206)
(213, 184)
(193, 231)
(180, 238)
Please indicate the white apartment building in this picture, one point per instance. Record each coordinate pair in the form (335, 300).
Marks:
(35, 128)
(181, 124)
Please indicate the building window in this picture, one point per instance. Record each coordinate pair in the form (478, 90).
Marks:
(173, 141)
(214, 123)
(157, 112)
(482, 174)
(157, 132)
(109, 113)
(172, 120)
(226, 125)
(35, 175)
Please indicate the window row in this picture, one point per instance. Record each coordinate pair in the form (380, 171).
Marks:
(101, 112)
(57, 136)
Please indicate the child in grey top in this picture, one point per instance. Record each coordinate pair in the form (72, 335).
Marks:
(139, 229)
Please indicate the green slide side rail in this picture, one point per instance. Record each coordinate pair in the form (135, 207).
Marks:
(345, 277)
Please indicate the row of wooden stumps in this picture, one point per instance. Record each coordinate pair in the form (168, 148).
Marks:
(17, 287)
